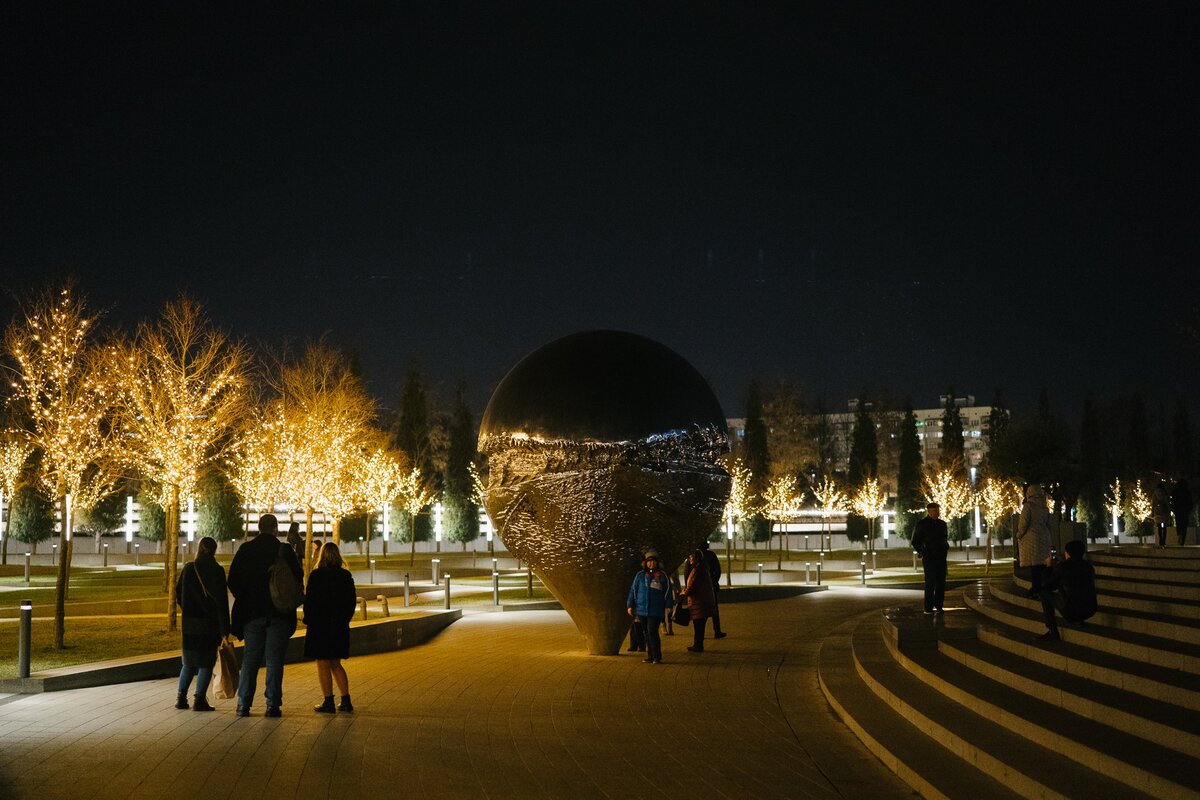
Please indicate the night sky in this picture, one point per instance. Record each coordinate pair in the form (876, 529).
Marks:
(891, 198)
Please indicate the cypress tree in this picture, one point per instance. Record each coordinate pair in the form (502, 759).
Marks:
(218, 514)
(1137, 444)
(1092, 470)
(952, 445)
(413, 437)
(864, 463)
(757, 458)
(152, 519)
(32, 517)
(462, 514)
(908, 478)
(1183, 449)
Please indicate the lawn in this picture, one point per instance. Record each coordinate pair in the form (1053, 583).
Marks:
(88, 639)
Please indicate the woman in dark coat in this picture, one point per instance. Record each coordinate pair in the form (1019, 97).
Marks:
(702, 599)
(329, 605)
(202, 596)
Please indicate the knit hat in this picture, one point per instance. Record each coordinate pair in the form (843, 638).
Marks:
(649, 554)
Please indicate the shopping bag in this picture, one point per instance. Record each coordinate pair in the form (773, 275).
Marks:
(225, 677)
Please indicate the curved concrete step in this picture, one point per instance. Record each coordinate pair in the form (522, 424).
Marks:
(1150, 590)
(1025, 766)
(1164, 723)
(1147, 680)
(893, 739)
(1178, 577)
(1125, 595)
(1164, 626)
(1140, 764)
(1148, 650)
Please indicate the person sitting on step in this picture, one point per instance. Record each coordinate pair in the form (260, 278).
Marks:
(1070, 586)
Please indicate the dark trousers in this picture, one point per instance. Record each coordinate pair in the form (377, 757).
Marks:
(716, 617)
(1051, 601)
(698, 626)
(1035, 578)
(650, 628)
(935, 582)
(1181, 526)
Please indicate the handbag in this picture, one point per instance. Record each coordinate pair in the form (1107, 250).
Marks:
(225, 676)
(681, 615)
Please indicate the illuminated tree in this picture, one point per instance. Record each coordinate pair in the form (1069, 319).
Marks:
(14, 452)
(740, 503)
(780, 504)
(412, 497)
(946, 488)
(830, 500)
(383, 475)
(1114, 501)
(182, 393)
(64, 397)
(869, 502)
(1140, 508)
(999, 498)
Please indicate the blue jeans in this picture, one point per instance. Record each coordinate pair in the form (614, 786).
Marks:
(266, 639)
(191, 669)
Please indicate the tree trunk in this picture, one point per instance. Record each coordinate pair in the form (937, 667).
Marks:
(780, 564)
(308, 542)
(337, 532)
(171, 567)
(4, 541)
(412, 538)
(64, 571)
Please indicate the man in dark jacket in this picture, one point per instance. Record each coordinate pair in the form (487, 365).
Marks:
(931, 541)
(264, 628)
(713, 562)
(1069, 586)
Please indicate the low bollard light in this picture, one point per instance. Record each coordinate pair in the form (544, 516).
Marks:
(24, 639)
(863, 568)
(362, 602)
(372, 570)
(383, 601)
(968, 557)
(529, 579)
(818, 574)
(437, 562)
(806, 541)
(873, 563)
(807, 571)
(914, 555)
(496, 588)
(447, 591)
(106, 554)
(28, 569)
(54, 555)
(406, 590)
(137, 554)
(760, 574)
(495, 564)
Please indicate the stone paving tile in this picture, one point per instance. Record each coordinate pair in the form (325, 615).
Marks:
(498, 706)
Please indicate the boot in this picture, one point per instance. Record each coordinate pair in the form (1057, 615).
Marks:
(181, 701)
(346, 707)
(200, 703)
(326, 707)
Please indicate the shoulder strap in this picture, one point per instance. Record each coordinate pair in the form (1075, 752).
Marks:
(196, 570)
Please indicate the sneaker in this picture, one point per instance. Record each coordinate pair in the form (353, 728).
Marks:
(273, 711)
(1049, 636)
(928, 612)
(720, 635)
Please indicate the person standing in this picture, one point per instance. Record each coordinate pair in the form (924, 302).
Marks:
(1181, 506)
(329, 604)
(702, 599)
(931, 541)
(1033, 536)
(713, 563)
(1160, 507)
(650, 599)
(204, 601)
(264, 628)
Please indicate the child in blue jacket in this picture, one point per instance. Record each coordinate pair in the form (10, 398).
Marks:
(650, 599)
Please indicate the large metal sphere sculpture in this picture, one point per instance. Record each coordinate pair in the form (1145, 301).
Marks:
(600, 445)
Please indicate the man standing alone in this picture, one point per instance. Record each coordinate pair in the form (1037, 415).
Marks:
(265, 628)
(931, 541)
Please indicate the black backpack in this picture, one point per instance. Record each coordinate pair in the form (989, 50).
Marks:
(286, 592)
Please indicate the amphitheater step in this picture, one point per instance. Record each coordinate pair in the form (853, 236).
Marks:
(890, 736)
(1164, 723)
(1026, 762)
(1127, 595)
(1147, 680)
(1165, 625)
(1148, 649)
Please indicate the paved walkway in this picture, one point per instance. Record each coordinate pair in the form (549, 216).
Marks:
(500, 705)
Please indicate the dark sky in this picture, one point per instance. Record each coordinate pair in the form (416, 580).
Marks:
(888, 197)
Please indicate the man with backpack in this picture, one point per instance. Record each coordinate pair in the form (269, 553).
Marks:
(267, 583)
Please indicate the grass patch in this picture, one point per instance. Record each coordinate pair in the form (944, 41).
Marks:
(87, 640)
